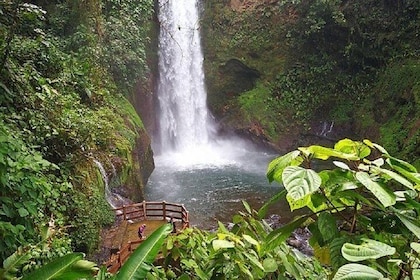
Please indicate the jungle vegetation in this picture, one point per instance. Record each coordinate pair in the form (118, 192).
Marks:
(68, 68)
(352, 63)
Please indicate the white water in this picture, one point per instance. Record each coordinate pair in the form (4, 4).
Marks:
(113, 199)
(186, 126)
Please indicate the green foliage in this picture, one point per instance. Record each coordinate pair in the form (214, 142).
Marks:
(245, 252)
(126, 37)
(259, 107)
(53, 244)
(30, 193)
(370, 195)
(59, 106)
(398, 87)
(320, 61)
(71, 266)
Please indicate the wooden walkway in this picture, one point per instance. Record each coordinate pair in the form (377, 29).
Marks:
(124, 240)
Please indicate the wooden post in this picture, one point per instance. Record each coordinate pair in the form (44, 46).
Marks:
(164, 210)
(124, 212)
(144, 209)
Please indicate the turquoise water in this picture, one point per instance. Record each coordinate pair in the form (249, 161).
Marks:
(214, 192)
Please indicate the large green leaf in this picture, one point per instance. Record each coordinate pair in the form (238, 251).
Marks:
(395, 176)
(354, 271)
(396, 162)
(68, 267)
(276, 166)
(368, 249)
(386, 197)
(353, 148)
(300, 182)
(324, 153)
(138, 264)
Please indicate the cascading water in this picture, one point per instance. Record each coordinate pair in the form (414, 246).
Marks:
(185, 122)
(209, 175)
(113, 199)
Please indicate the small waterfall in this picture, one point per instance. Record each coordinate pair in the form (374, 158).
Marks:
(113, 199)
(326, 128)
(185, 121)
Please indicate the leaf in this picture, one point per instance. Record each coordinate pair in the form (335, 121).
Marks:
(335, 246)
(23, 212)
(247, 207)
(300, 182)
(300, 203)
(11, 263)
(222, 244)
(138, 264)
(254, 261)
(386, 197)
(276, 166)
(409, 222)
(274, 199)
(354, 271)
(68, 267)
(416, 274)
(376, 146)
(251, 240)
(270, 265)
(396, 162)
(415, 246)
(394, 176)
(369, 249)
(324, 153)
(354, 148)
(327, 226)
(341, 165)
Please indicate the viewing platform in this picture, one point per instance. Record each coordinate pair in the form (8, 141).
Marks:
(124, 239)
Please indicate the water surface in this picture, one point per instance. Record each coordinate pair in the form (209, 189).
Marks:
(214, 191)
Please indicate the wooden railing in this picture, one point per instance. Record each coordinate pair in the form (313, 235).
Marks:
(117, 260)
(149, 210)
(145, 210)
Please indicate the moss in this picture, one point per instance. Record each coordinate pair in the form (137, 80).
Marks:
(251, 37)
(398, 107)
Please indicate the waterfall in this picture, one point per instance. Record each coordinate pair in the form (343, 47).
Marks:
(113, 199)
(184, 121)
(326, 128)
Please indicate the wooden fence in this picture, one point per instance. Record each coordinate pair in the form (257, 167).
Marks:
(117, 260)
(145, 210)
(149, 210)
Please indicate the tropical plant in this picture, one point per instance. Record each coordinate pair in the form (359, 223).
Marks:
(139, 263)
(242, 252)
(73, 266)
(363, 203)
